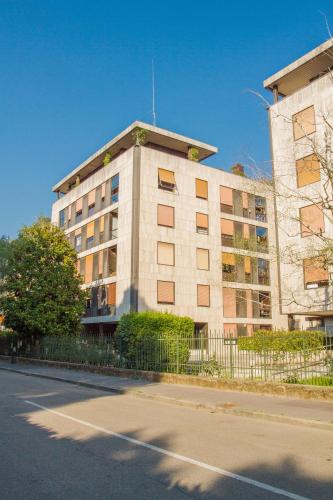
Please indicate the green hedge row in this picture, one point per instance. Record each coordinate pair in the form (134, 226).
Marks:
(154, 341)
(281, 341)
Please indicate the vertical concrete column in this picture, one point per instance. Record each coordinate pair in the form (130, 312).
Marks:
(134, 298)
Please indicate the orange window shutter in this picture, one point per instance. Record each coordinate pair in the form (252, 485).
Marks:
(203, 295)
(229, 259)
(201, 188)
(312, 220)
(165, 253)
(314, 270)
(230, 329)
(112, 294)
(78, 232)
(307, 170)
(246, 231)
(202, 220)
(79, 204)
(166, 176)
(304, 123)
(247, 264)
(203, 259)
(90, 229)
(226, 195)
(166, 292)
(103, 190)
(249, 303)
(89, 269)
(229, 302)
(165, 216)
(91, 197)
(227, 227)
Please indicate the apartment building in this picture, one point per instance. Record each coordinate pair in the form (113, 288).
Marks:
(156, 229)
(301, 132)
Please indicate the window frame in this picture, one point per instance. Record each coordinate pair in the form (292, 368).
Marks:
(174, 292)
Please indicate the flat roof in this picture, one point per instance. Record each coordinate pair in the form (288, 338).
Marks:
(124, 140)
(302, 71)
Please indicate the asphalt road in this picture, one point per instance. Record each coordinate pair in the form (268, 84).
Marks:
(59, 441)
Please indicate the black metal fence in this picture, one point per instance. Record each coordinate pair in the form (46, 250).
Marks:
(214, 356)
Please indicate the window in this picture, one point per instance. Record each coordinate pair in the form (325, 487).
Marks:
(165, 292)
(100, 264)
(315, 272)
(166, 179)
(115, 189)
(112, 261)
(248, 269)
(78, 210)
(245, 203)
(262, 240)
(165, 216)
(229, 302)
(307, 170)
(114, 225)
(304, 123)
(264, 304)
(201, 189)
(91, 202)
(227, 232)
(312, 220)
(90, 235)
(165, 253)
(88, 268)
(202, 223)
(226, 200)
(263, 272)
(62, 218)
(228, 266)
(112, 294)
(260, 208)
(78, 242)
(241, 304)
(203, 259)
(203, 295)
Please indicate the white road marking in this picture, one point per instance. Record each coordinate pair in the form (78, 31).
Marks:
(176, 456)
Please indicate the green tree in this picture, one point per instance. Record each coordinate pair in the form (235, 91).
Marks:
(40, 293)
(4, 253)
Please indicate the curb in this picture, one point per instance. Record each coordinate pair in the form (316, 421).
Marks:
(243, 412)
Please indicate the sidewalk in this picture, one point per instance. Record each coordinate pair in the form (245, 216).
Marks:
(288, 410)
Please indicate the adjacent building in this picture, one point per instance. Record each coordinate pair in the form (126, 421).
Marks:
(301, 123)
(156, 229)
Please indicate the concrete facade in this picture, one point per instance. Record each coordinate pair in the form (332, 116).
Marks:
(305, 83)
(140, 194)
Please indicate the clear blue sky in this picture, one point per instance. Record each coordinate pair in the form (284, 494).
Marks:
(74, 73)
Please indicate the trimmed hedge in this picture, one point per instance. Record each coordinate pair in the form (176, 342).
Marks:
(282, 341)
(154, 341)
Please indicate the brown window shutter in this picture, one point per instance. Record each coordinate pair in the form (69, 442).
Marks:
(202, 220)
(112, 294)
(314, 271)
(304, 123)
(201, 188)
(100, 262)
(102, 224)
(227, 227)
(312, 220)
(103, 190)
(90, 229)
(229, 302)
(307, 170)
(203, 259)
(91, 197)
(247, 264)
(89, 268)
(226, 196)
(203, 295)
(165, 253)
(166, 292)
(165, 216)
(166, 176)
(79, 204)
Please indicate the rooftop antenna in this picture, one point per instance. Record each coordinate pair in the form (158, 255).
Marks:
(153, 90)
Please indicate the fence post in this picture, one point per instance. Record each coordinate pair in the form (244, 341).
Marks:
(177, 355)
(231, 357)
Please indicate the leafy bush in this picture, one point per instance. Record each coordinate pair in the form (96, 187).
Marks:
(154, 341)
(281, 341)
(76, 350)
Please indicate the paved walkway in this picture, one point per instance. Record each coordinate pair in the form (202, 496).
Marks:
(279, 408)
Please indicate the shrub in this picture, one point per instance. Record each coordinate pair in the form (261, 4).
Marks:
(281, 341)
(154, 341)
(76, 350)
